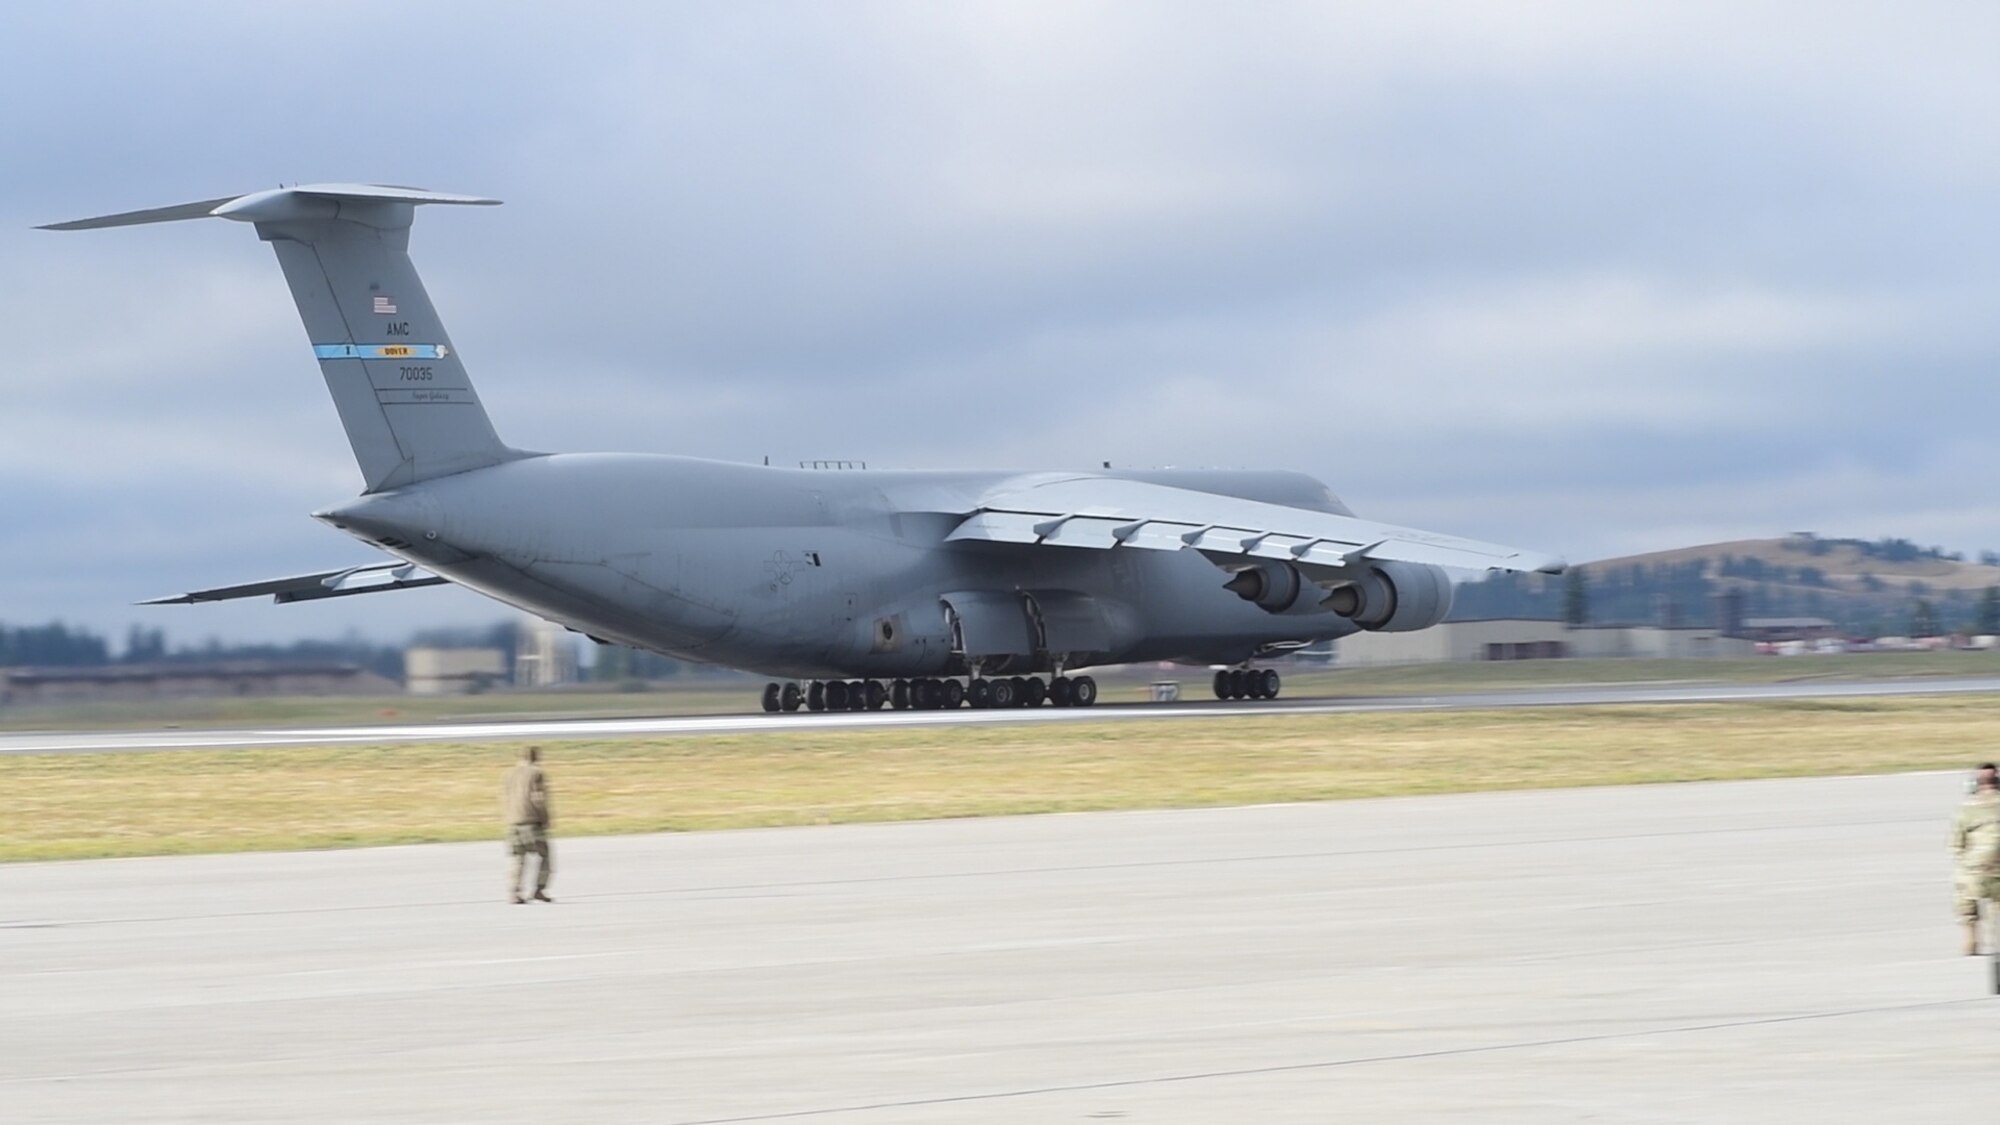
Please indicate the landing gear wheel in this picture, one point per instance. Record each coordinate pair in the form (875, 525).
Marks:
(877, 695)
(1271, 683)
(1253, 684)
(1059, 691)
(791, 697)
(980, 693)
(954, 695)
(770, 699)
(816, 697)
(1083, 692)
(929, 695)
(836, 695)
(1222, 685)
(857, 696)
(1002, 693)
(899, 695)
(1036, 692)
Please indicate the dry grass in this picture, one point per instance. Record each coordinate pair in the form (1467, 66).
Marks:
(78, 805)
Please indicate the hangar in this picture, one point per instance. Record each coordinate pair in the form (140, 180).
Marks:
(1529, 639)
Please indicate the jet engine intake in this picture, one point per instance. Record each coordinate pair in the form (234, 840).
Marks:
(1275, 587)
(1393, 597)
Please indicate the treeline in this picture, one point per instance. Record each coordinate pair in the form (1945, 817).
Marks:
(1886, 549)
(1639, 594)
(1687, 595)
(54, 644)
(57, 645)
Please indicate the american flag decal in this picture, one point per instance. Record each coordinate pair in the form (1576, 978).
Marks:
(386, 306)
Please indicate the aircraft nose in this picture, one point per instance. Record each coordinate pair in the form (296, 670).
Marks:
(389, 519)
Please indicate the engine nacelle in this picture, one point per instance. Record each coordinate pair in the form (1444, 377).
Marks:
(1275, 587)
(1393, 597)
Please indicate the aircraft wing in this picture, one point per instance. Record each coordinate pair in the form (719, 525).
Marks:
(369, 579)
(1102, 513)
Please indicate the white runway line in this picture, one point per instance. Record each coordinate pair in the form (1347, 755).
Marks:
(575, 729)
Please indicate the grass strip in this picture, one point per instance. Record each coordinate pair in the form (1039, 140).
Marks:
(66, 806)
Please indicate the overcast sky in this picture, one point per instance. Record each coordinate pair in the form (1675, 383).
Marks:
(1586, 278)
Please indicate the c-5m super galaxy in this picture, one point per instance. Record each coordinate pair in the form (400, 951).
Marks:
(852, 589)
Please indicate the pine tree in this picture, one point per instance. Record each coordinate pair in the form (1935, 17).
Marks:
(1923, 619)
(1987, 622)
(1576, 599)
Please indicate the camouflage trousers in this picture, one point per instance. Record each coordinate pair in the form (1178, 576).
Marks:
(524, 840)
(1973, 884)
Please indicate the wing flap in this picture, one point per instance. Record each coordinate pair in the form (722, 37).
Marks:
(370, 579)
(1102, 513)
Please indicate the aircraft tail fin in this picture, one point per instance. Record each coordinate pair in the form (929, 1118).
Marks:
(403, 394)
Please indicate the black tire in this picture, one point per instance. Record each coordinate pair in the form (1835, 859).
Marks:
(836, 695)
(791, 697)
(980, 694)
(857, 696)
(1271, 683)
(1034, 692)
(816, 697)
(877, 695)
(1222, 685)
(1002, 693)
(1083, 692)
(954, 695)
(770, 699)
(1059, 691)
(899, 695)
(1253, 684)
(929, 695)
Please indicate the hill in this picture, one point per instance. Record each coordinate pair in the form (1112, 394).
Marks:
(1869, 588)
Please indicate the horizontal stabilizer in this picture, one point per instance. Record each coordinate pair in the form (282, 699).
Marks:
(306, 201)
(369, 579)
(200, 210)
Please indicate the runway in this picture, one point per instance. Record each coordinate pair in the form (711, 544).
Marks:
(1728, 952)
(558, 730)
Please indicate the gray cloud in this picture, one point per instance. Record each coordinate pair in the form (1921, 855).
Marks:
(1590, 278)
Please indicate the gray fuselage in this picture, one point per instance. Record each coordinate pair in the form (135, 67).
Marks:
(823, 573)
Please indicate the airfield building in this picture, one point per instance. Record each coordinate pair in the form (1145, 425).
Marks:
(1528, 639)
(545, 655)
(1771, 629)
(431, 670)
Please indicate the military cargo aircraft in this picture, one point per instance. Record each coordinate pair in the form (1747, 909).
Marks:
(850, 588)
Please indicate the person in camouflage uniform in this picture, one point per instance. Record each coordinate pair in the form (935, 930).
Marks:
(524, 805)
(1975, 843)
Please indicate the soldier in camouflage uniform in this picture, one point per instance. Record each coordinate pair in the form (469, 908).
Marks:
(525, 807)
(1975, 843)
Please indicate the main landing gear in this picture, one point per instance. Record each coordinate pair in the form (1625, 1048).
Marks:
(932, 695)
(1247, 683)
